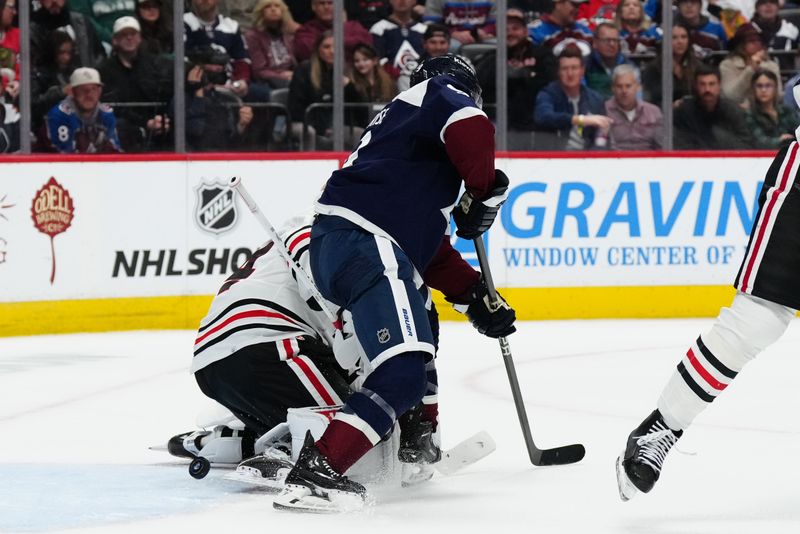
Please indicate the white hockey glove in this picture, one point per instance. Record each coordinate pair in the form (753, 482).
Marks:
(346, 348)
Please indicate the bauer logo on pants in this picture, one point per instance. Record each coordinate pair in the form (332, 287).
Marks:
(216, 207)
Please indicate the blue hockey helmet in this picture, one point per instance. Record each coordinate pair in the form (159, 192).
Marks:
(455, 66)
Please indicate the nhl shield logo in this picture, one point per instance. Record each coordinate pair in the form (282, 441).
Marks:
(216, 207)
(383, 335)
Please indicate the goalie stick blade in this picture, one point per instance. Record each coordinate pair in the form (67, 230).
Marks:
(466, 453)
(568, 454)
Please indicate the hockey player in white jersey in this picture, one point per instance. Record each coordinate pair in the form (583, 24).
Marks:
(767, 298)
(263, 347)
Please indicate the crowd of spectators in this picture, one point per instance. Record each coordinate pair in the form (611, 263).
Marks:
(582, 74)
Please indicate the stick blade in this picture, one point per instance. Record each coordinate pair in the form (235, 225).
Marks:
(568, 454)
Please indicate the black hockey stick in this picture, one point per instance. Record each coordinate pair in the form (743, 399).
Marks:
(568, 454)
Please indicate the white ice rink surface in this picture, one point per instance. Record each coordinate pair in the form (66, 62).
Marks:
(77, 413)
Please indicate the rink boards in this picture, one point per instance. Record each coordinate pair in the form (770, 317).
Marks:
(115, 243)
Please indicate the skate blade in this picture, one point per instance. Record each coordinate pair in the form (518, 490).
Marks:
(626, 488)
(248, 475)
(301, 499)
(414, 474)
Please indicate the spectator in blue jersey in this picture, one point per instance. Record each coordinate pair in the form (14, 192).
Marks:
(399, 38)
(639, 34)
(776, 32)
(705, 34)
(80, 124)
(206, 31)
(569, 115)
(604, 58)
(559, 28)
(381, 239)
(307, 34)
(468, 21)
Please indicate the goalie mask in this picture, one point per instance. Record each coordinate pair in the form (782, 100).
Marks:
(454, 66)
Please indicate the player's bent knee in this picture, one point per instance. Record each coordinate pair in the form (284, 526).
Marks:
(746, 328)
(401, 380)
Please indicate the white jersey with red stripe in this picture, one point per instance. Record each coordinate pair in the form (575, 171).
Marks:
(261, 302)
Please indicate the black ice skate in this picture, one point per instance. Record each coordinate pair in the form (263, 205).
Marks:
(418, 448)
(268, 470)
(314, 486)
(639, 466)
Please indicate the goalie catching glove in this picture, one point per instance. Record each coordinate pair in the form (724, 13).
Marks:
(473, 217)
(491, 319)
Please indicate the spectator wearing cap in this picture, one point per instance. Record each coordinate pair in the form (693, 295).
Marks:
(307, 34)
(635, 125)
(399, 38)
(530, 68)
(707, 120)
(604, 58)
(468, 21)
(133, 76)
(559, 28)
(206, 32)
(747, 55)
(776, 32)
(435, 43)
(707, 34)
(103, 13)
(80, 123)
(569, 115)
(156, 25)
(639, 34)
(53, 15)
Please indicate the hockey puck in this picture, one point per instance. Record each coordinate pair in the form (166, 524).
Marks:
(199, 467)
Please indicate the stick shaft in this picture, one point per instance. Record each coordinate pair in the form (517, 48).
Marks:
(508, 360)
(302, 276)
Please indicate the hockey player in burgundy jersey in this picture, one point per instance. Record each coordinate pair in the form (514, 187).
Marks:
(379, 238)
(767, 298)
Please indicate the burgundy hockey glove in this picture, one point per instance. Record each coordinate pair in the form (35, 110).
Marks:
(474, 217)
(490, 320)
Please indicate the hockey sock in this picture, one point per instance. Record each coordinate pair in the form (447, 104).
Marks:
(430, 402)
(740, 332)
(369, 414)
